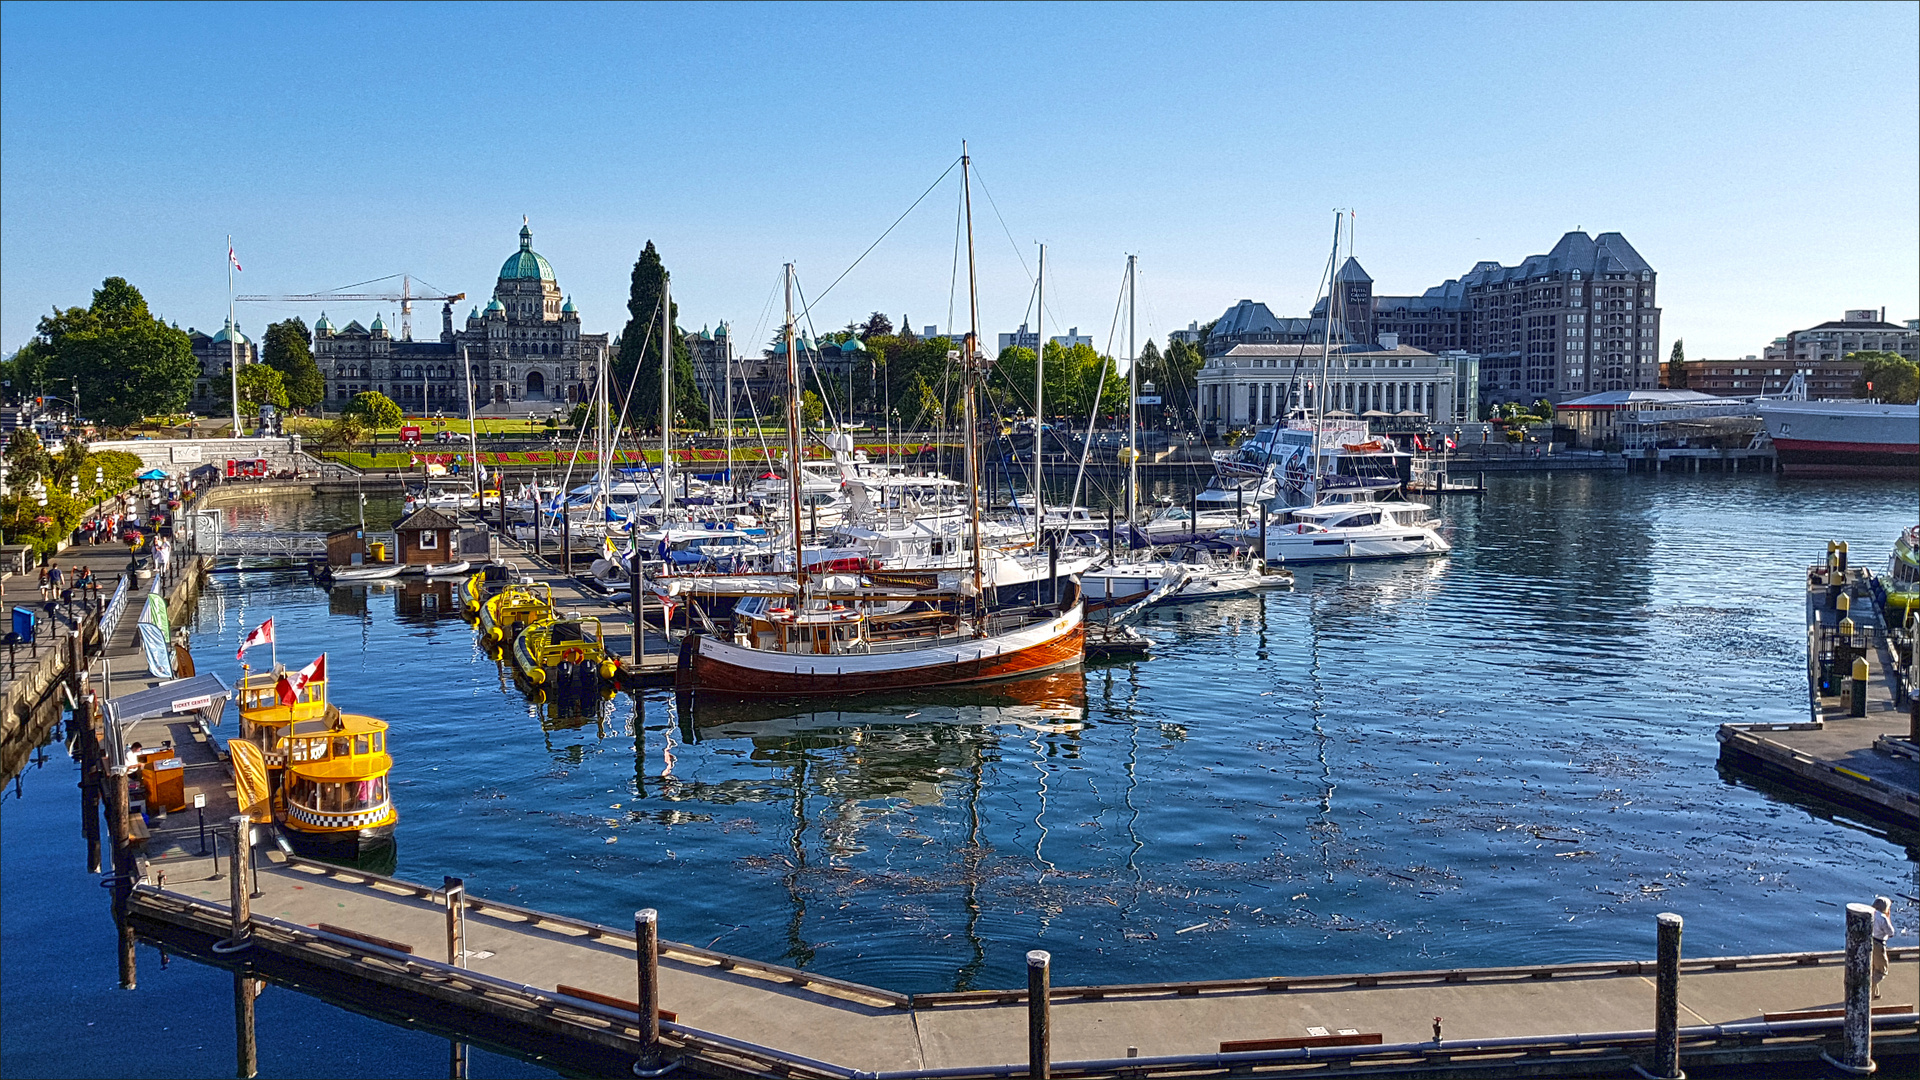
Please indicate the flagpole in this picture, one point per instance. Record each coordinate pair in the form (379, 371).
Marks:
(233, 347)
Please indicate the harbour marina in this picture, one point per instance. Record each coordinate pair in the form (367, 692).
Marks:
(862, 788)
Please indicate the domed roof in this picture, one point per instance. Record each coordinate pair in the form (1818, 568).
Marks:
(526, 264)
(475, 313)
(229, 333)
(495, 305)
(324, 325)
(378, 327)
(567, 308)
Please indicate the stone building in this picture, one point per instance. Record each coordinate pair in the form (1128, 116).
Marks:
(1580, 319)
(1863, 330)
(213, 385)
(525, 348)
(1258, 383)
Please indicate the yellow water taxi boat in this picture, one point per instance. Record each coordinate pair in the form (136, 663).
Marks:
(515, 607)
(335, 794)
(317, 772)
(481, 587)
(570, 651)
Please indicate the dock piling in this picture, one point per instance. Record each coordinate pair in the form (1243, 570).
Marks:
(646, 941)
(456, 921)
(239, 887)
(246, 1050)
(1039, 1022)
(1857, 1057)
(1666, 1000)
(1858, 688)
(457, 1059)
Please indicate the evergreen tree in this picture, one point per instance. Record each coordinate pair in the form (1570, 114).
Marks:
(284, 348)
(636, 368)
(1677, 366)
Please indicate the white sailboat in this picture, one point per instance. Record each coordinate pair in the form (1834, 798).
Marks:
(1350, 525)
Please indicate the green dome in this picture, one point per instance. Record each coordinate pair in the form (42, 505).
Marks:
(378, 327)
(475, 313)
(230, 333)
(567, 308)
(324, 326)
(526, 264)
(494, 305)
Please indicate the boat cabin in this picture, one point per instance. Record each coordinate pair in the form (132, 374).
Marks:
(337, 777)
(266, 720)
(427, 536)
(1358, 515)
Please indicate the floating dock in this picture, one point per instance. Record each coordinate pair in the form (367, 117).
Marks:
(1860, 754)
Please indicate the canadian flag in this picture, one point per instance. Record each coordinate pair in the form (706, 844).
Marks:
(289, 687)
(1449, 442)
(231, 257)
(259, 635)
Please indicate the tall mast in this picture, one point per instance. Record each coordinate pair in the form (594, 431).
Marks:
(473, 437)
(1326, 347)
(1133, 404)
(727, 386)
(666, 398)
(233, 346)
(793, 453)
(970, 362)
(1039, 390)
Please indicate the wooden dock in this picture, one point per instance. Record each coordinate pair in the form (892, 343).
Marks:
(530, 978)
(543, 983)
(1869, 762)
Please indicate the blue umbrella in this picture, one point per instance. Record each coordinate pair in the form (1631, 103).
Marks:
(152, 474)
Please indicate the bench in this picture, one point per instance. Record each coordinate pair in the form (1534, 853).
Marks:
(612, 1002)
(1241, 1046)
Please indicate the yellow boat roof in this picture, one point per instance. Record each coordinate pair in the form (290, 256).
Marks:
(359, 767)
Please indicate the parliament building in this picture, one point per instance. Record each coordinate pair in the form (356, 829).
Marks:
(525, 347)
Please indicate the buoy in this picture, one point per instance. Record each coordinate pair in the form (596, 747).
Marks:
(538, 675)
(539, 697)
(493, 633)
(609, 670)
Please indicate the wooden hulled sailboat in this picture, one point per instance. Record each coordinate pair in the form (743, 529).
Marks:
(849, 633)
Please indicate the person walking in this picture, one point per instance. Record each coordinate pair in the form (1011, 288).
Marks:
(55, 578)
(1882, 930)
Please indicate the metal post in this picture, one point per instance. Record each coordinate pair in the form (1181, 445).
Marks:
(1666, 1000)
(456, 921)
(1039, 1023)
(1859, 687)
(566, 543)
(457, 1059)
(646, 939)
(639, 624)
(1857, 1057)
(246, 1049)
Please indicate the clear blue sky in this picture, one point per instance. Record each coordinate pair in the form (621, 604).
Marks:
(1762, 158)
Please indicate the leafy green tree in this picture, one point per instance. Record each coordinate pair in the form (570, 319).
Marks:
(1677, 366)
(72, 462)
(376, 408)
(260, 385)
(345, 433)
(27, 457)
(812, 410)
(127, 363)
(1887, 376)
(1180, 379)
(25, 371)
(920, 407)
(641, 351)
(285, 348)
(876, 324)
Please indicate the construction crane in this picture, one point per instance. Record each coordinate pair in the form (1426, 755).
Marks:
(406, 296)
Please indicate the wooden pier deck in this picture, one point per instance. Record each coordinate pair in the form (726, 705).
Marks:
(1868, 762)
(547, 975)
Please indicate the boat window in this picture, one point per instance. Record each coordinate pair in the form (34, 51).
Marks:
(360, 745)
(342, 747)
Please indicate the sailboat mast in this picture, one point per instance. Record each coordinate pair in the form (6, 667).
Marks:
(726, 381)
(233, 347)
(970, 363)
(1133, 403)
(666, 398)
(793, 453)
(1326, 347)
(1039, 391)
(473, 436)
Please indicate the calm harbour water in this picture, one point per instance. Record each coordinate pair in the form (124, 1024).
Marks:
(1503, 756)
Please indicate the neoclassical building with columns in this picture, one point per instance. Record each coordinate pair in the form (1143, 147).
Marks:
(525, 347)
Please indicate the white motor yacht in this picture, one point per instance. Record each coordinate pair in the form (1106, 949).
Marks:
(1363, 529)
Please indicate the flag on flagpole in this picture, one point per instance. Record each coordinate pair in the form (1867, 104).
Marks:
(231, 257)
(259, 635)
(312, 673)
(1449, 442)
